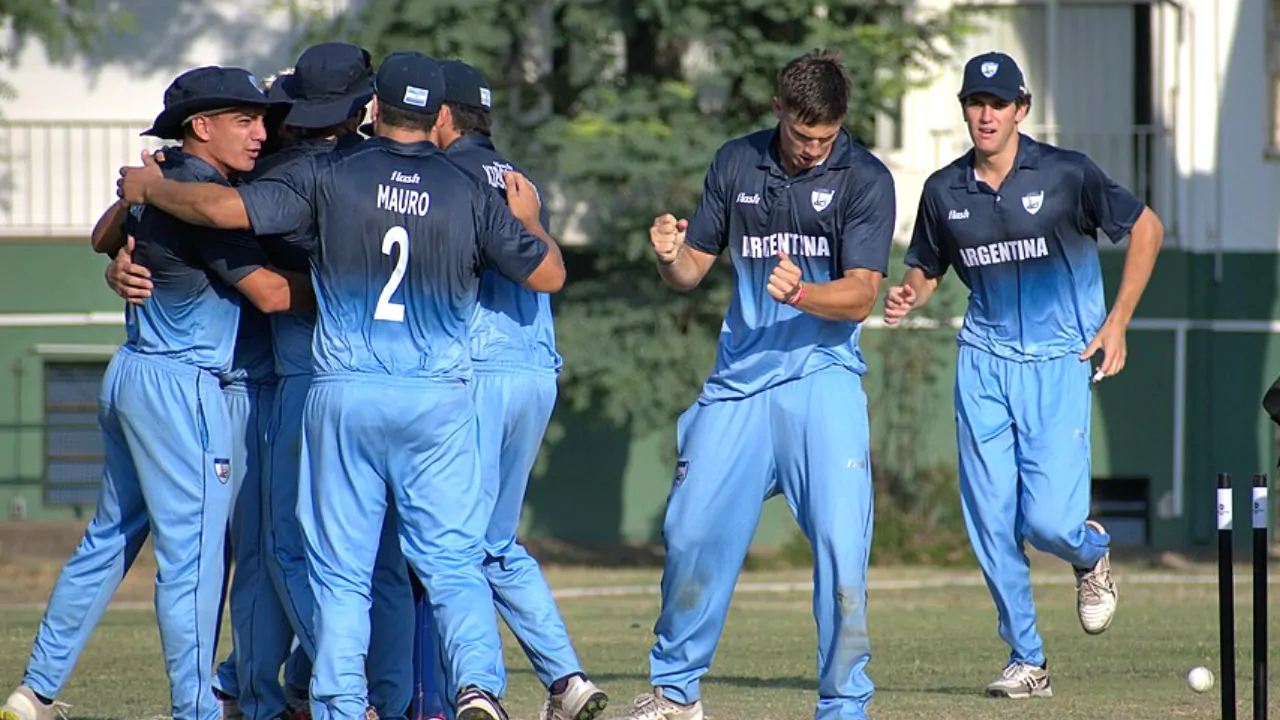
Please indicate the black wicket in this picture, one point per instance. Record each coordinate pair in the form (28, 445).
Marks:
(1260, 508)
(1226, 601)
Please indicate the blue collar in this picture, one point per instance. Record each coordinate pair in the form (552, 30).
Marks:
(1028, 157)
(467, 141)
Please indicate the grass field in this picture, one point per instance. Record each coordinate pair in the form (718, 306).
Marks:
(934, 648)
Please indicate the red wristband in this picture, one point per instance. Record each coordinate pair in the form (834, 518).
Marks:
(799, 295)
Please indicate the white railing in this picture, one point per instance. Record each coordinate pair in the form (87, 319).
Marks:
(1140, 158)
(57, 176)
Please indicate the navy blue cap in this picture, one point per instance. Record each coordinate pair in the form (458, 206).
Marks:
(202, 90)
(330, 83)
(465, 85)
(410, 81)
(993, 73)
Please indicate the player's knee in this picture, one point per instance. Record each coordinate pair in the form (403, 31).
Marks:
(1046, 529)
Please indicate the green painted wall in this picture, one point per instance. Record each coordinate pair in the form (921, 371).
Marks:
(596, 484)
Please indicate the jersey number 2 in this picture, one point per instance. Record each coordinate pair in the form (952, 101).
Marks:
(387, 310)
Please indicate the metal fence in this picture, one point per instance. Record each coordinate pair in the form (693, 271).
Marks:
(57, 176)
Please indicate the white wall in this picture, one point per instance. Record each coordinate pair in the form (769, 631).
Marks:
(1227, 115)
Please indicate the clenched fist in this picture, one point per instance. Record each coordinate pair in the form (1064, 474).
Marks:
(898, 302)
(666, 235)
(786, 281)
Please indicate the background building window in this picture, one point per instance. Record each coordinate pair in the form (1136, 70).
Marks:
(72, 441)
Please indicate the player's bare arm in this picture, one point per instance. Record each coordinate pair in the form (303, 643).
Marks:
(914, 292)
(1145, 240)
(129, 281)
(681, 267)
(849, 298)
(206, 204)
(108, 233)
(276, 291)
(526, 206)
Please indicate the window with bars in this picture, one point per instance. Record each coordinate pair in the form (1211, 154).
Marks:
(73, 450)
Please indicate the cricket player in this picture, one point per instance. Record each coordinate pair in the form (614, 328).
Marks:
(513, 352)
(327, 93)
(165, 423)
(1018, 219)
(807, 217)
(403, 235)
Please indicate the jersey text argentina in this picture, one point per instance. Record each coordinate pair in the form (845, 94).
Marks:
(194, 311)
(835, 217)
(1029, 252)
(404, 234)
(513, 326)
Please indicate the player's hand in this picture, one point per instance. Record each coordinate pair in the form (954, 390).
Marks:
(898, 302)
(666, 235)
(129, 281)
(523, 199)
(1111, 341)
(785, 281)
(132, 185)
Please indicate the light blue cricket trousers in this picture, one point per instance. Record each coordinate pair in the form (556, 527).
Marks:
(513, 408)
(808, 440)
(390, 674)
(167, 440)
(1023, 433)
(362, 436)
(260, 630)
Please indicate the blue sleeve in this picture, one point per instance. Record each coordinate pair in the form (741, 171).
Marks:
(1105, 205)
(708, 230)
(869, 218)
(505, 244)
(284, 200)
(925, 252)
(230, 254)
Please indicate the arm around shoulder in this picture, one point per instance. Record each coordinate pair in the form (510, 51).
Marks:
(276, 291)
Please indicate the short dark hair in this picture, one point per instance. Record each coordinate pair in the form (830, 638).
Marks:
(393, 116)
(814, 88)
(469, 120)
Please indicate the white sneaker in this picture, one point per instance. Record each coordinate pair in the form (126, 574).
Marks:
(653, 706)
(1096, 594)
(581, 700)
(1021, 680)
(476, 704)
(24, 705)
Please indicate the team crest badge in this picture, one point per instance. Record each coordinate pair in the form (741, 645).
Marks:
(682, 469)
(821, 198)
(222, 468)
(989, 69)
(1031, 202)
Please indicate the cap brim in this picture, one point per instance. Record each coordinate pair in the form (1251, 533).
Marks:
(1004, 94)
(168, 124)
(327, 113)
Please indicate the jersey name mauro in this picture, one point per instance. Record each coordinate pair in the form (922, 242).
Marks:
(754, 246)
(1005, 251)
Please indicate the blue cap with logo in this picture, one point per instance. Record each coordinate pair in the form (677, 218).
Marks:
(993, 73)
(410, 81)
(465, 85)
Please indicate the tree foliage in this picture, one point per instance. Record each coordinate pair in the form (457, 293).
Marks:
(618, 106)
(63, 27)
